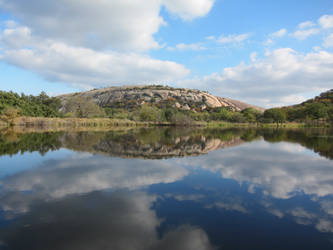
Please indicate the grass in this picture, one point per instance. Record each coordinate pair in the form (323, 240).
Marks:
(73, 122)
(105, 123)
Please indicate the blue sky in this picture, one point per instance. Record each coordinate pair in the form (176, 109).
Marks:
(269, 53)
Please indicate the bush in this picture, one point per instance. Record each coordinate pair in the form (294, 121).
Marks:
(181, 119)
(276, 114)
(83, 107)
(9, 113)
(150, 113)
(41, 105)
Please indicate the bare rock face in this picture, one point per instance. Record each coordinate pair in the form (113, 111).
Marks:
(186, 99)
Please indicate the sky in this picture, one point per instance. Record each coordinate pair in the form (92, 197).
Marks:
(267, 53)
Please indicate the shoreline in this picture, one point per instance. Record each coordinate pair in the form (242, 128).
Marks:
(57, 124)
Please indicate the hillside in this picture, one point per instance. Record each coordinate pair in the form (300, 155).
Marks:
(325, 98)
(152, 103)
(316, 109)
(130, 97)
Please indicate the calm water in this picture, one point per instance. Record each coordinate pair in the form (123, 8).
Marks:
(167, 189)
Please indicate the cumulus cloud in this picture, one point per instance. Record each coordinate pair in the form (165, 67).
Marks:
(93, 44)
(280, 78)
(233, 38)
(189, 9)
(326, 21)
(83, 67)
(328, 41)
(279, 33)
(306, 24)
(190, 46)
(303, 34)
(271, 37)
(99, 24)
(124, 25)
(309, 28)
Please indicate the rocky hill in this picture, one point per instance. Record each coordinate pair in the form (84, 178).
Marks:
(184, 99)
(325, 97)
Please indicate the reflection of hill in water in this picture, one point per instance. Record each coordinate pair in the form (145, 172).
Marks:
(158, 143)
(153, 143)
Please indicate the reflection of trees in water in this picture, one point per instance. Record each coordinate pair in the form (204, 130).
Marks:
(318, 140)
(161, 142)
(11, 143)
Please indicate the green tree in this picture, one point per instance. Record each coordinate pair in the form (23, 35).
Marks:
(9, 114)
(316, 110)
(180, 118)
(251, 114)
(83, 107)
(278, 115)
(150, 113)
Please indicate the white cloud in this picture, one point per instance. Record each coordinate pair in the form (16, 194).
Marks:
(303, 34)
(98, 24)
(125, 25)
(94, 44)
(328, 41)
(189, 9)
(307, 24)
(253, 56)
(280, 78)
(279, 33)
(190, 46)
(268, 42)
(309, 28)
(16, 37)
(84, 67)
(233, 38)
(326, 21)
(212, 38)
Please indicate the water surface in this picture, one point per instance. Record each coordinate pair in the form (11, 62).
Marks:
(167, 188)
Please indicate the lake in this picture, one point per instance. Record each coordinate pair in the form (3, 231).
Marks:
(167, 188)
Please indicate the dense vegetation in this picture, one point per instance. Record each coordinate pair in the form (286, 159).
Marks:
(12, 105)
(317, 110)
(314, 111)
(12, 143)
(169, 113)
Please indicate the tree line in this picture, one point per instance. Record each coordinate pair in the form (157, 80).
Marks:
(42, 105)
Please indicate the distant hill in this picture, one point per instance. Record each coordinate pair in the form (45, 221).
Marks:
(129, 97)
(325, 98)
(150, 103)
(319, 108)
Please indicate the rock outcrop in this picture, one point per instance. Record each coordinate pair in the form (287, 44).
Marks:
(186, 99)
